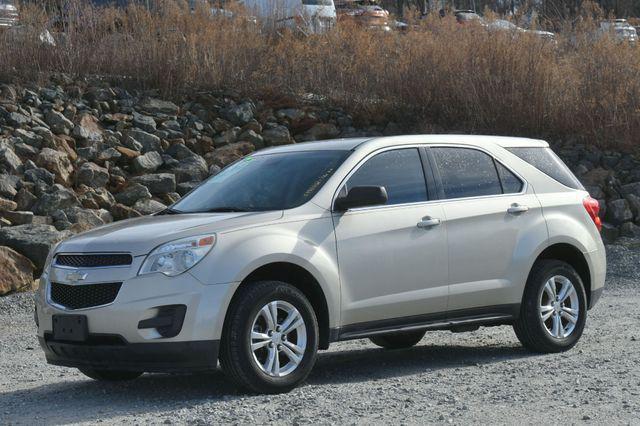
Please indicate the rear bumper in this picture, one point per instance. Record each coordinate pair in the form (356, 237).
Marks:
(112, 352)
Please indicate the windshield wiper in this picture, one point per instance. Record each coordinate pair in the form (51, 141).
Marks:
(168, 210)
(225, 210)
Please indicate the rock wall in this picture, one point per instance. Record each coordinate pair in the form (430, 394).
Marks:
(75, 155)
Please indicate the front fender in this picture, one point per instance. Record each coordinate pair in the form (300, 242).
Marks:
(309, 245)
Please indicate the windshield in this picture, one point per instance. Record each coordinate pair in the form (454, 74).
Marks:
(264, 182)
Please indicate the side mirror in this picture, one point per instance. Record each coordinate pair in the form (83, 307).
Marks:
(361, 196)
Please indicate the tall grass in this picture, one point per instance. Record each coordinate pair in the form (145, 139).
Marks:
(435, 76)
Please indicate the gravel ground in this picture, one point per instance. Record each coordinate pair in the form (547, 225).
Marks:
(479, 377)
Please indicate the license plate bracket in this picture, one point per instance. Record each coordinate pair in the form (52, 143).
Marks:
(72, 328)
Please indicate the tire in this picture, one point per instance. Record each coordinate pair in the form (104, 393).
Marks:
(252, 370)
(110, 375)
(398, 340)
(539, 335)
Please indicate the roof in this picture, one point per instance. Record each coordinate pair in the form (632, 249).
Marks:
(349, 144)
(346, 144)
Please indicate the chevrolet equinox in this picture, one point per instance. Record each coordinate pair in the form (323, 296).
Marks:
(294, 247)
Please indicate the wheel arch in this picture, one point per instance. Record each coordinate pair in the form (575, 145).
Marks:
(304, 281)
(573, 256)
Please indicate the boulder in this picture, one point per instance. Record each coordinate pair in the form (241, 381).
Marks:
(92, 175)
(278, 135)
(57, 163)
(185, 187)
(144, 122)
(127, 153)
(192, 168)
(291, 114)
(221, 157)
(320, 131)
(9, 161)
(15, 119)
(147, 206)
(7, 205)
(61, 199)
(226, 137)
(252, 137)
(25, 151)
(29, 137)
(16, 272)
(109, 154)
(630, 230)
(18, 217)
(179, 151)
(8, 186)
(157, 106)
(58, 123)
(24, 199)
(631, 189)
(157, 183)
(133, 193)
(88, 129)
(32, 241)
(148, 162)
(618, 212)
(238, 114)
(83, 219)
(121, 212)
(148, 141)
(40, 174)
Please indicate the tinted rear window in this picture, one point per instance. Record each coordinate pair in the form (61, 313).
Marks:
(511, 184)
(466, 172)
(545, 160)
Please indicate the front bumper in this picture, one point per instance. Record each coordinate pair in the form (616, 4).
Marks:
(114, 353)
(121, 335)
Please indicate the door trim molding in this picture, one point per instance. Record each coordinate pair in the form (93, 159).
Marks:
(489, 315)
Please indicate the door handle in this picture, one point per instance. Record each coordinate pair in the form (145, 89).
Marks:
(428, 222)
(517, 209)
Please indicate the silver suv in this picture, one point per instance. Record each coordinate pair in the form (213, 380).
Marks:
(295, 247)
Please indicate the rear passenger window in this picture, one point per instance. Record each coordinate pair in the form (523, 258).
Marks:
(511, 184)
(399, 171)
(466, 172)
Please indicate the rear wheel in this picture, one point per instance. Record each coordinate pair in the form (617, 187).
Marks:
(110, 375)
(398, 340)
(554, 308)
(270, 340)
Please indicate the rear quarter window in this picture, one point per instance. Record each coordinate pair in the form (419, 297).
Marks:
(545, 160)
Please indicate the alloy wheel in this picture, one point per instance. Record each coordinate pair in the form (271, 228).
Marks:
(278, 338)
(559, 308)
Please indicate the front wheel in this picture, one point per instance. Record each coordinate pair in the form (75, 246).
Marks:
(270, 340)
(110, 375)
(554, 308)
(398, 340)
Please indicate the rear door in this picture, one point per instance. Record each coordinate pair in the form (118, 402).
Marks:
(491, 215)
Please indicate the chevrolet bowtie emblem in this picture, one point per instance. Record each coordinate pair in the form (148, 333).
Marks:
(74, 277)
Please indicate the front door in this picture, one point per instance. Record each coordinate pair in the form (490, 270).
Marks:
(392, 258)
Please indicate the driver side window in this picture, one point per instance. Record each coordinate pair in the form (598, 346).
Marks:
(399, 171)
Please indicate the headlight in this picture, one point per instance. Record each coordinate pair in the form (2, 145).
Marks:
(176, 257)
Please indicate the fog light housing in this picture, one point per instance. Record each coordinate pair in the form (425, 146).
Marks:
(167, 322)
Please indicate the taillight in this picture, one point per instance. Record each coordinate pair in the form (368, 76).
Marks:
(592, 207)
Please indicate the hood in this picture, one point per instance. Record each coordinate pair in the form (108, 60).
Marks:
(141, 235)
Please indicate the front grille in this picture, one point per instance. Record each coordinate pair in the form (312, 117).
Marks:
(93, 260)
(85, 295)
